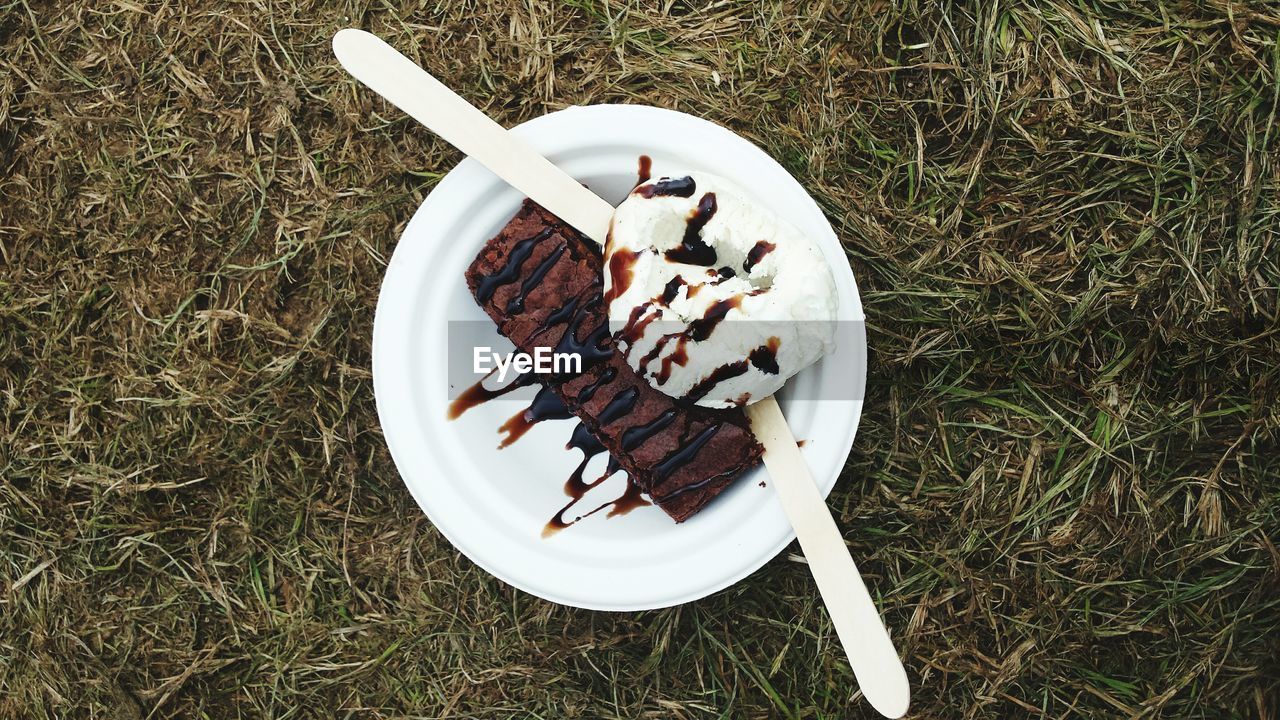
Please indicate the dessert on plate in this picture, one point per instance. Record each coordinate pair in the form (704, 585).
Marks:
(701, 302)
(714, 298)
(540, 281)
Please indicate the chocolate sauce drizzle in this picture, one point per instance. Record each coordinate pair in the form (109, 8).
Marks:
(576, 488)
(689, 488)
(583, 440)
(701, 328)
(558, 316)
(668, 187)
(765, 357)
(685, 454)
(516, 304)
(546, 405)
(693, 249)
(715, 377)
(672, 289)
(630, 500)
(645, 164)
(636, 322)
(621, 271)
(589, 391)
(697, 330)
(644, 313)
(478, 394)
(619, 406)
(679, 356)
(520, 252)
(756, 254)
(638, 435)
(596, 347)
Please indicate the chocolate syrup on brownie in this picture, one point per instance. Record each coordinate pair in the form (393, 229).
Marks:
(534, 280)
(556, 317)
(520, 252)
(589, 391)
(634, 437)
(685, 454)
(619, 406)
(691, 487)
(597, 346)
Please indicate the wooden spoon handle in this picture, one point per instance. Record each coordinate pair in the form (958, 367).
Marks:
(871, 653)
(407, 86)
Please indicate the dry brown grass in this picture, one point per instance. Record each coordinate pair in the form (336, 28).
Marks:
(1064, 216)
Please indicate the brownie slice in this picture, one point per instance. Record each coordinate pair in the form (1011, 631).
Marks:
(540, 281)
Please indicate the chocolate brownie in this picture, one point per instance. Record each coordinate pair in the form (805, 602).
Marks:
(540, 281)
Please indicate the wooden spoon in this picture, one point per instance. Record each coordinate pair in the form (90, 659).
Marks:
(866, 641)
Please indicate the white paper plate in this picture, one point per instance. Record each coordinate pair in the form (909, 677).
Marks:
(493, 504)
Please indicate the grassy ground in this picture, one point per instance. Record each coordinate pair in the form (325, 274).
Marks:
(1064, 217)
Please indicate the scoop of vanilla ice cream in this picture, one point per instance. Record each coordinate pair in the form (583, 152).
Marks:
(713, 297)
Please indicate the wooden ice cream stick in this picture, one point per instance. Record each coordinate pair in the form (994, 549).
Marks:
(866, 642)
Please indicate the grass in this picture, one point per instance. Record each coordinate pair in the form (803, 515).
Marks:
(1064, 220)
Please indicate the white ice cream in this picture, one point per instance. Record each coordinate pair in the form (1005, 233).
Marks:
(667, 292)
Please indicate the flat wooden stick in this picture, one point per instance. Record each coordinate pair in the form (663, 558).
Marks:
(425, 99)
(866, 642)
